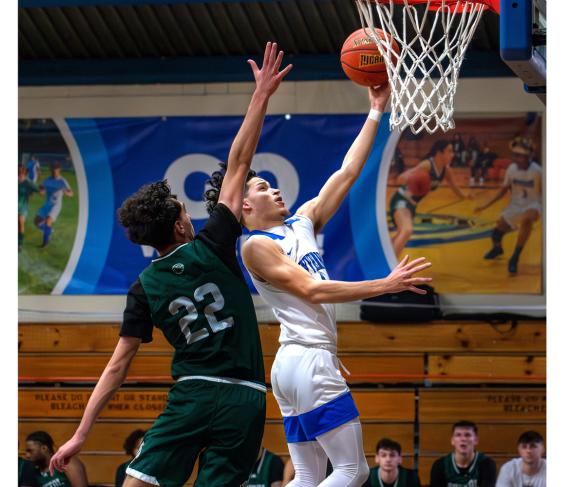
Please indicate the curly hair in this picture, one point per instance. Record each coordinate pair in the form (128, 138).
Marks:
(131, 441)
(215, 181)
(42, 438)
(150, 214)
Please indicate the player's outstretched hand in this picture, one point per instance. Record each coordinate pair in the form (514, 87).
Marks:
(402, 277)
(269, 76)
(62, 457)
(378, 96)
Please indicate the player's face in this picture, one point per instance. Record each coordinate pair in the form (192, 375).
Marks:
(35, 452)
(531, 453)
(388, 460)
(464, 440)
(264, 200)
(185, 220)
(521, 160)
(447, 154)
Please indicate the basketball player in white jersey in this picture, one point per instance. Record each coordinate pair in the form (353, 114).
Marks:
(524, 180)
(282, 256)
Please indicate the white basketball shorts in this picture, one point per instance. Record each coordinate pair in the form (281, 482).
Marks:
(311, 392)
(513, 213)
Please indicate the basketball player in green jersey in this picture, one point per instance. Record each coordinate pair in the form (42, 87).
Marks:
(389, 472)
(268, 470)
(195, 293)
(464, 467)
(39, 451)
(403, 204)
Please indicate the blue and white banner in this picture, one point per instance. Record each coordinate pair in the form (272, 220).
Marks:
(114, 157)
(105, 160)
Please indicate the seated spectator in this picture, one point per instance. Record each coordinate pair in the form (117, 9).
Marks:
(268, 470)
(26, 474)
(131, 446)
(464, 466)
(39, 451)
(529, 470)
(482, 165)
(389, 472)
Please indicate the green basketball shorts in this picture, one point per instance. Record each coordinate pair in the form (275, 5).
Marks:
(220, 423)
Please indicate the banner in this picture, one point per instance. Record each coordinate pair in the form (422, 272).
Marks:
(77, 172)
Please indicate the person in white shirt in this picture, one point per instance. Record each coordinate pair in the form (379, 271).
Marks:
(524, 180)
(282, 255)
(529, 469)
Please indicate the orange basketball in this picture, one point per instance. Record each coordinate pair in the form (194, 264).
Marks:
(362, 61)
(419, 183)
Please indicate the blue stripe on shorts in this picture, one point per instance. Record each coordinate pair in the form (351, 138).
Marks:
(308, 426)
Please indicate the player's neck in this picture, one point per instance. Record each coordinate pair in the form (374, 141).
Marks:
(531, 468)
(463, 460)
(169, 248)
(388, 477)
(263, 223)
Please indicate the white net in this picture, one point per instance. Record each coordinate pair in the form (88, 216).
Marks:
(423, 72)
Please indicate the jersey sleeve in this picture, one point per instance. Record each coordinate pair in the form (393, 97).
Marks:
(276, 469)
(509, 175)
(504, 479)
(488, 472)
(137, 321)
(66, 184)
(220, 234)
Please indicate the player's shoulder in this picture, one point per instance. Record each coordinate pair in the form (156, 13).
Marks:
(534, 166)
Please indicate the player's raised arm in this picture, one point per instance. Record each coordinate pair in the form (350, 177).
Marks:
(322, 207)
(267, 78)
(111, 379)
(266, 261)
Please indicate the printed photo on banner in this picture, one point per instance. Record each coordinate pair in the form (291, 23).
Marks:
(47, 206)
(471, 202)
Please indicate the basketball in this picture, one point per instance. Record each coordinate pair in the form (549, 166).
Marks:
(419, 183)
(362, 61)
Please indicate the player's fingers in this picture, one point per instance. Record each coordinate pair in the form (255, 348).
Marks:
(266, 53)
(419, 268)
(403, 261)
(253, 66)
(285, 71)
(278, 62)
(416, 290)
(272, 57)
(418, 280)
(415, 262)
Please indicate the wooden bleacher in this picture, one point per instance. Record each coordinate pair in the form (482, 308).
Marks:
(404, 378)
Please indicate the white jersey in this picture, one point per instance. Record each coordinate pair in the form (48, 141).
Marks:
(524, 184)
(511, 475)
(300, 321)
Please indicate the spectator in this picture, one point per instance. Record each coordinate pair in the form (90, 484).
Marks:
(398, 163)
(482, 164)
(459, 150)
(39, 451)
(26, 474)
(131, 446)
(25, 189)
(389, 472)
(473, 150)
(529, 470)
(464, 466)
(268, 470)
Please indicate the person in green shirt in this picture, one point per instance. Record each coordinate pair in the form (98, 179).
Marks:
(26, 188)
(389, 472)
(131, 446)
(26, 473)
(196, 294)
(268, 470)
(39, 451)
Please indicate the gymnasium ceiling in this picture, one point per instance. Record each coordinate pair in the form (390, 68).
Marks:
(67, 42)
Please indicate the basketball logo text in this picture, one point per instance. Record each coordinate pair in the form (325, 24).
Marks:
(369, 60)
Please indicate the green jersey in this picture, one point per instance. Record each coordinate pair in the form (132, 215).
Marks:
(197, 296)
(480, 473)
(59, 479)
(25, 189)
(405, 478)
(268, 469)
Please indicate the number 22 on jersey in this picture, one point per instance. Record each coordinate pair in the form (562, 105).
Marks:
(209, 312)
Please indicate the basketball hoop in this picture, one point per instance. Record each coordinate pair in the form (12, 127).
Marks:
(432, 36)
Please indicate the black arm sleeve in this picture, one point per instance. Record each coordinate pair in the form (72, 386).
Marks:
(276, 469)
(487, 473)
(220, 233)
(438, 478)
(137, 321)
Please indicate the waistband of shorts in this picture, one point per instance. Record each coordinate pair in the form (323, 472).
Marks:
(403, 193)
(225, 380)
(322, 346)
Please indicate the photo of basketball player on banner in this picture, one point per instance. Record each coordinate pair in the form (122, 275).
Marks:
(471, 201)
